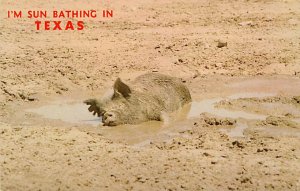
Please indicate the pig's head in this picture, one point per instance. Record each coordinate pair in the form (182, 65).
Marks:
(115, 110)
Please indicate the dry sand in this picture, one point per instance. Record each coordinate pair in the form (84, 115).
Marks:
(249, 49)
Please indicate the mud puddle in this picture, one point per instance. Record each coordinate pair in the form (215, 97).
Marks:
(280, 132)
(208, 106)
(70, 111)
(76, 112)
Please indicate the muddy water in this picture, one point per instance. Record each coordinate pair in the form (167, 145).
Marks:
(208, 106)
(69, 111)
(297, 120)
(278, 131)
(77, 113)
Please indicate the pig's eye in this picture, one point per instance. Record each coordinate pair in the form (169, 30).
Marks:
(108, 115)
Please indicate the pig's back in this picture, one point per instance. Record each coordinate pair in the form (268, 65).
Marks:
(170, 92)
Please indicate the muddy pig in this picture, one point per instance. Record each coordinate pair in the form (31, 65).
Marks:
(146, 98)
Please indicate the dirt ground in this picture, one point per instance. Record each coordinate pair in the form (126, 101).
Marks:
(247, 53)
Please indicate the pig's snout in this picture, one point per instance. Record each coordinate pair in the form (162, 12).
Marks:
(109, 119)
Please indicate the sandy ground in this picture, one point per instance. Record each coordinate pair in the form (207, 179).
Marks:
(179, 38)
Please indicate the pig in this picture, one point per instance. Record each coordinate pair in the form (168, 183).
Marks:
(147, 98)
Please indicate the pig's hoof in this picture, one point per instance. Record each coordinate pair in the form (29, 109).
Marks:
(93, 106)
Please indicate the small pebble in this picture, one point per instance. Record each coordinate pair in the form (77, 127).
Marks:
(221, 44)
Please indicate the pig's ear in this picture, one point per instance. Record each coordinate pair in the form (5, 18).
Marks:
(121, 88)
